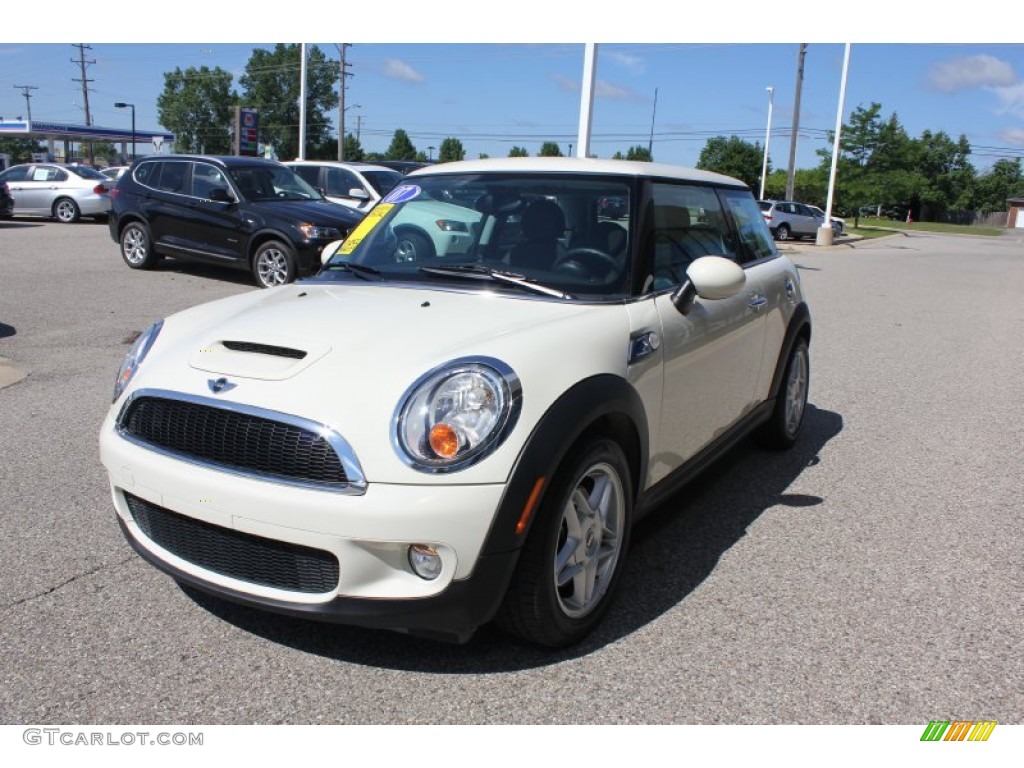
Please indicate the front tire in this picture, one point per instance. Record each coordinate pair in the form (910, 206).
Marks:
(413, 246)
(782, 429)
(273, 264)
(782, 232)
(573, 557)
(66, 211)
(136, 248)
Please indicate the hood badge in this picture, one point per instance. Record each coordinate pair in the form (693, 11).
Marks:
(220, 385)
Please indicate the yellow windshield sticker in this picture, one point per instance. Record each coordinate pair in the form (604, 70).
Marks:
(366, 226)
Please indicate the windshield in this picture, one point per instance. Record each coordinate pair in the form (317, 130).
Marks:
(267, 182)
(553, 230)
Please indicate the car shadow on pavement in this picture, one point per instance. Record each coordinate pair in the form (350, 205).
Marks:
(205, 271)
(674, 549)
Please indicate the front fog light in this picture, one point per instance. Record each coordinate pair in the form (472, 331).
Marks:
(425, 561)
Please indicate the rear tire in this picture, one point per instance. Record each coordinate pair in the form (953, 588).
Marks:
(66, 211)
(573, 557)
(136, 247)
(782, 232)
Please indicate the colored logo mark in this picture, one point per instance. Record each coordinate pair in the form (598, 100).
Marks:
(958, 730)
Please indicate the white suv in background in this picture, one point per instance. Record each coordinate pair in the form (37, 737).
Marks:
(353, 185)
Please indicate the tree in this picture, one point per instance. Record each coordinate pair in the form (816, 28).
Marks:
(401, 147)
(353, 149)
(518, 152)
(639, 153)
(20, 150)
(1002, 181)
(196, 107)
(271, 83)
(451, 149)
(733, 157)
(550, 149)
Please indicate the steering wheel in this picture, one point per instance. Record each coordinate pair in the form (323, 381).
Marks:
(578, 260)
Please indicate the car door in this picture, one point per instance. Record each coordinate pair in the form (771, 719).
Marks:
(711, 354)
(214, 226)
(809, 220)
(17, 179)
(35, 192)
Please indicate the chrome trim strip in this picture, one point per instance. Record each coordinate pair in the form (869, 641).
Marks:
(353, 470)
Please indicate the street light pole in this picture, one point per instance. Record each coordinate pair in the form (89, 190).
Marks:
(122, 105)
(767, 138)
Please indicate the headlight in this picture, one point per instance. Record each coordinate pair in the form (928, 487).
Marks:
(457, 414)
(135, 357)
(313, 232)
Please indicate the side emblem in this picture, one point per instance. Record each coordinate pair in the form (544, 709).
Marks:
(220, 385)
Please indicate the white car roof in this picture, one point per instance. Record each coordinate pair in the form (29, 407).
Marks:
(579, 165)
(357, 167)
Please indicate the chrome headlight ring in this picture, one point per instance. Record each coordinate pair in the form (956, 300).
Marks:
(456, 414)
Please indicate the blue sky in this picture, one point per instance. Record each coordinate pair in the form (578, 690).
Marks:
(517, 85)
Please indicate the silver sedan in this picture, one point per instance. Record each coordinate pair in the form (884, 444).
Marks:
(59, 191)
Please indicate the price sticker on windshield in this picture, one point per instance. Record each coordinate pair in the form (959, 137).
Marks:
(366, 226)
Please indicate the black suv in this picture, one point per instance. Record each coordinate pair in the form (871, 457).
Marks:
(244, 212)
(6, 201)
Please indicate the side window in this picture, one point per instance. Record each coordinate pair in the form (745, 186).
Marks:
(146, 173)
(16, 174)
(755, 238)
(174, 177)
(340, 181)
(206, 178)
(688, 223)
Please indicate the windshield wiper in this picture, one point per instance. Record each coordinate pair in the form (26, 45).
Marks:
(480, 272)
(361, 270)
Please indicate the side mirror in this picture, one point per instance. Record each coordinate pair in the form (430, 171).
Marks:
(329, 250)
(358, 193)
(711, 278)
(221, 195)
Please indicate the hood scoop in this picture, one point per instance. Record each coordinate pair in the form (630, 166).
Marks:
(267, 358)
(264, 349)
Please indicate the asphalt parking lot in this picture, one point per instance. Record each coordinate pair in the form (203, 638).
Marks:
(870, 575)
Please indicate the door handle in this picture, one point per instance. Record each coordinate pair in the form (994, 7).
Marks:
(757, 301)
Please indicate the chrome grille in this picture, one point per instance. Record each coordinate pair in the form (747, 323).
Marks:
(240, 439)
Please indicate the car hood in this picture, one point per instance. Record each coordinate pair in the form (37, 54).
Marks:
(319, 212)
(345, 355)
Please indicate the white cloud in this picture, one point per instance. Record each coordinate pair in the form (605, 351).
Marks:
(632, 64)
(602, 89)
(399, 70)
(1011, 99)
(1012, 136)
(965, 72)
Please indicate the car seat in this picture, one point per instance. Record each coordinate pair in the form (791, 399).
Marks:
(539, 247)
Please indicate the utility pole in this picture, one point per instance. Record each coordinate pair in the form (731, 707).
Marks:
(343, 72)
(650, 141)
(82, 48)
(28, 98)
(791, 174)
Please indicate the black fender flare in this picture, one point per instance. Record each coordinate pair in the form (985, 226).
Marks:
(799, 325)
(605, 403)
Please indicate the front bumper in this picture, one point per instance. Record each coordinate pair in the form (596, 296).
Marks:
(368, 535)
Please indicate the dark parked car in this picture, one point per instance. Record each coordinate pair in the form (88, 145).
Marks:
(244, 212)
(6, 201)
(402, 166)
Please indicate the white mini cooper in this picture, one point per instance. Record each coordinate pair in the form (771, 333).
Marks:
(429, 444)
